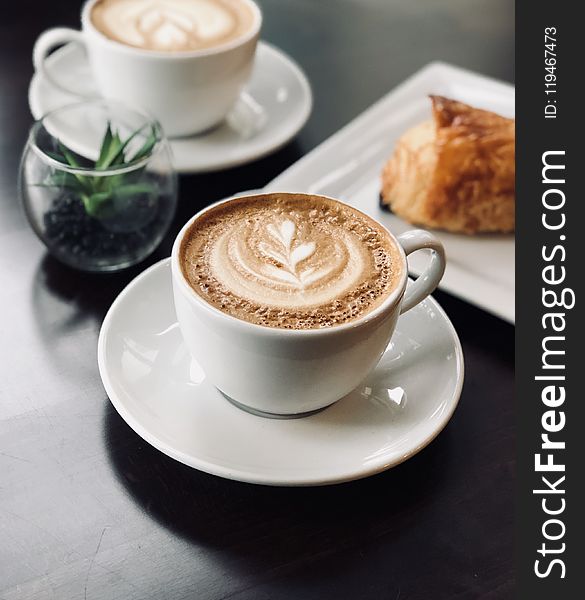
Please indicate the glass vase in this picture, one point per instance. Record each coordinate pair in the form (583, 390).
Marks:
(98, 185)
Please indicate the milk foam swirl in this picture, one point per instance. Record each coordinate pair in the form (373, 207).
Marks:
(283, 261)
(171, 25)
(286, 264)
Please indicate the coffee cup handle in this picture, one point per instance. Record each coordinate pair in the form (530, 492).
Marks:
(425, 284)
(43, 46)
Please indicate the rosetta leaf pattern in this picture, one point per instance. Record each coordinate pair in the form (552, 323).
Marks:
(280, 246)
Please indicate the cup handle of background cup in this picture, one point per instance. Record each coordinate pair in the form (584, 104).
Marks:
(43, 46)
(425, 284)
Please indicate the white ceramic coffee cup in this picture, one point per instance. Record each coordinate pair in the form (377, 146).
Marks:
(188, 92)
(282, 372)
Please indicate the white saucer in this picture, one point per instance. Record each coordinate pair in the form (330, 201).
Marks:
(277, 85)
(163, 395)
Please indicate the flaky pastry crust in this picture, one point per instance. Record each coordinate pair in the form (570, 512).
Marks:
(454, 172)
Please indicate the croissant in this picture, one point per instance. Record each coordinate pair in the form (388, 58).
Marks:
(454, 172)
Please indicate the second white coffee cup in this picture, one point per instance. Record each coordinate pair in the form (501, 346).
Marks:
(188, 92)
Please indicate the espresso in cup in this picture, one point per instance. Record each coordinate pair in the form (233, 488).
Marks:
(290, 261)
(172, 25)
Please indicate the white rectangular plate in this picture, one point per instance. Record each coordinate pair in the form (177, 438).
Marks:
(480, 269)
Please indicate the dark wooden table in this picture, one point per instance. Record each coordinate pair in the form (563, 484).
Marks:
(89, 510)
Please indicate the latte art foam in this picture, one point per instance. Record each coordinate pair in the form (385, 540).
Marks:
(283, 260)
(172, 25)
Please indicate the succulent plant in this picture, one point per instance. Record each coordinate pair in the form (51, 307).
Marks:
(104, 195)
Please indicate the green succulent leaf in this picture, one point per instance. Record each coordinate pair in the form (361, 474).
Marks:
(102, 196)
(73, 161)
(119, 159)
(112, 147)
(71, 158)
(134, 189)
(105, 148)
(60, 179)
(147, 147)
(56, 156)
(94, 203)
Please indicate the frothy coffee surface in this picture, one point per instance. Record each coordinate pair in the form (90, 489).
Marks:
(290, 261)
(172, 25)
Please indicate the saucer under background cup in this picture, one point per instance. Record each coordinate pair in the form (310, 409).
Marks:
(277, 87)
(162, 393)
